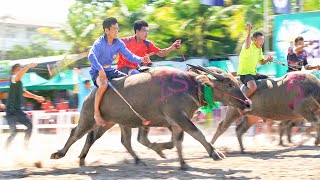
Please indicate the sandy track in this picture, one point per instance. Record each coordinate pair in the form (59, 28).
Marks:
(108, 159)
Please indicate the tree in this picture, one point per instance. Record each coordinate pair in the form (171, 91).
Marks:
(83, 26)
(311, 5)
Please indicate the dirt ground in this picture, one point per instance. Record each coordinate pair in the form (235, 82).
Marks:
(108, 159)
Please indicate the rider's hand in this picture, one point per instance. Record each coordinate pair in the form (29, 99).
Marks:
(145, 60)
(270, 59)
(310, 42)
(32, 65)
(249, 26)
(176, 44)
(102, 74)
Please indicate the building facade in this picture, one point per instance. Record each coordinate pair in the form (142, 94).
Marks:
(18, 31)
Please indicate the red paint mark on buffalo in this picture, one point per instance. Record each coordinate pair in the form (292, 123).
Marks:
(292, 85)
(167, 90)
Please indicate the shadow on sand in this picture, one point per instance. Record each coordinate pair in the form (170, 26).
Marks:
(124, 170)
(276, 154)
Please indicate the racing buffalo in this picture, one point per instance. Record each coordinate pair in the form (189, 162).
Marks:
(295, 96)
(166, 96)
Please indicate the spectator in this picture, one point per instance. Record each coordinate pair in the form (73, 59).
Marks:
(29, 106)
(2, 106)
(84, 90)
(47, 105)
(62, 105)
(14, 113)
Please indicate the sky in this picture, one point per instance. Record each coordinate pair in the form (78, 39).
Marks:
(48, 10)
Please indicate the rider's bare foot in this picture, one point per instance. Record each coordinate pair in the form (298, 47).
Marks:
(99, 120)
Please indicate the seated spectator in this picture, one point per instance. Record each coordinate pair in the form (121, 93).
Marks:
(47, 105)
(29, 106)
(2, 106)
(62, 105)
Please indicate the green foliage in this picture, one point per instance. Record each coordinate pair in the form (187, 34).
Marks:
(311, 5)
(204, 30)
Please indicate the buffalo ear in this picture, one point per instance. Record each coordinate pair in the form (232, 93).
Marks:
(204, 80)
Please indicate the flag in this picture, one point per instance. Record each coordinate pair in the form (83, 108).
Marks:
(213, 2)
(281, 6)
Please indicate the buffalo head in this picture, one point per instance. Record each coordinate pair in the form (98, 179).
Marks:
(226, 88)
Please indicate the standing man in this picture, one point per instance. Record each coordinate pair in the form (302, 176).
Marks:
(140, 46)
(103, 52)
(14, 112)
(297, 57)
(251, 53)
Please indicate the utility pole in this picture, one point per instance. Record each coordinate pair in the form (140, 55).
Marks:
(265, 25)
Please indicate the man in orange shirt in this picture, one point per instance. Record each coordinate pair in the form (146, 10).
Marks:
(140, 46)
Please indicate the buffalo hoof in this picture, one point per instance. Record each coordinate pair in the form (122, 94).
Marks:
(160, 153)
(217, 155)
(317, 142)
(82, 162)
(57, 155)
(184, 166)
(140, 162)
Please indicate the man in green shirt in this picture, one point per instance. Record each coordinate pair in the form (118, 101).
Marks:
(251, 53)
(14, 113)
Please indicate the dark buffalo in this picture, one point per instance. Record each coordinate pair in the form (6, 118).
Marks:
(295, 96)
(166, 96)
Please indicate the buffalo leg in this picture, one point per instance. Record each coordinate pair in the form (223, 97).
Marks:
(309, 108)
(157, 147)
(91, 138)
(186, 125)
(243, 127)
(285, 126)
(177, 135)
(289, 131)
(126, 141)
(231, 116)
(282, 128)
(85, 125)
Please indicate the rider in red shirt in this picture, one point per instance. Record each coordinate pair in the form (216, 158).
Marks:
(140, 46)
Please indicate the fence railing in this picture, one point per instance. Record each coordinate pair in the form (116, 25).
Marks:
(47, 122)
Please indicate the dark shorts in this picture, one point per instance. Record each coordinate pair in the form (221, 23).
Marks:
(110, 75)
(125, 69)
(248, 77)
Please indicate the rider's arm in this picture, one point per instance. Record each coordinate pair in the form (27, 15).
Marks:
(300, 48)
(248, 39)
(166, 51)
(262, 60)
(128, 54)
(93, 56)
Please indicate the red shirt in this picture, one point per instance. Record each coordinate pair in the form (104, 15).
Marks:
(62, 106)
(46, 106)
(139, 49)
